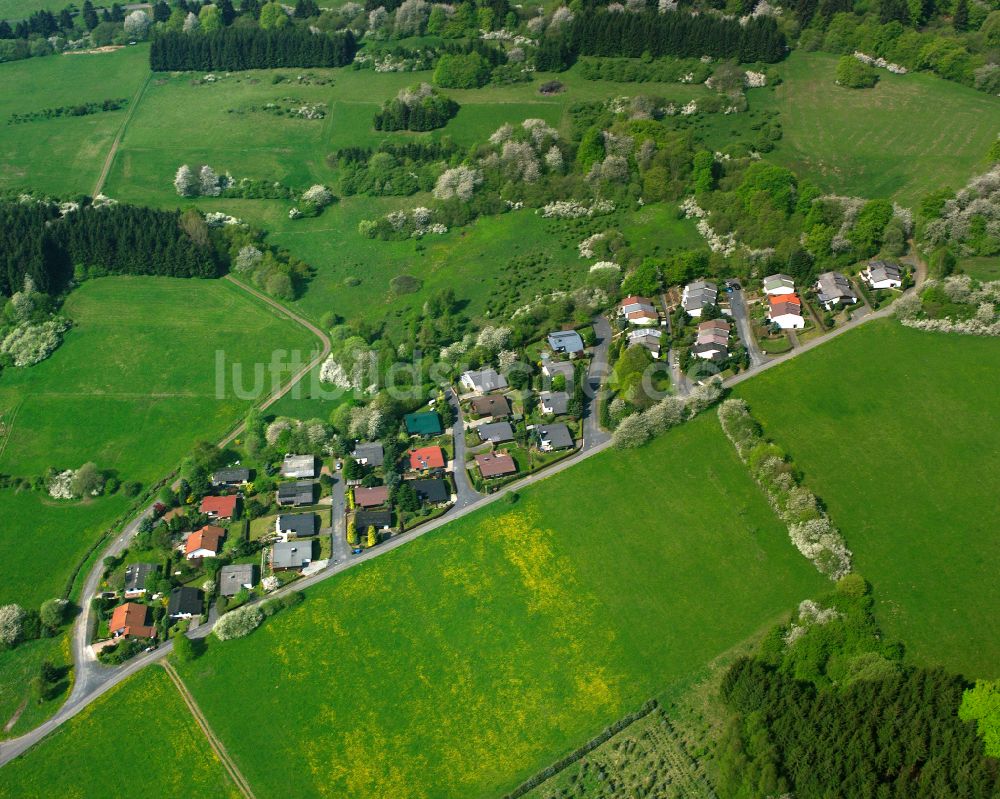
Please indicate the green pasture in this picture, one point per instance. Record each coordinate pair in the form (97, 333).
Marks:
(133, 386)
(895, 429)
(18, 666)
(63, 156)
(467, 660)
(908, 136)
(138, 739)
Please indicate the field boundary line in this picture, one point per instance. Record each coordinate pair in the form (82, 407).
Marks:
(10, 427)
(109, 160)
(217, 746)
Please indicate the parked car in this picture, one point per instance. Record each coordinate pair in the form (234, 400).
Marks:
(356, 551)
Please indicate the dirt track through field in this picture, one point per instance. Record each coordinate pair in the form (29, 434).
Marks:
(214, 742)
(121, 132)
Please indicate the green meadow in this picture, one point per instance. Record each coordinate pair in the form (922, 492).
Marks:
(895, 429)
(132, 388)
(908, 136)
(462, 663)
(139, 739)
(63, 156)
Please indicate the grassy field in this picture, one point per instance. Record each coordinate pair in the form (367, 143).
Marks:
(18, 666)
(132, 387)
(896, 430)
(879, 142)
(63, 156)
(465, 661)
(138, 739)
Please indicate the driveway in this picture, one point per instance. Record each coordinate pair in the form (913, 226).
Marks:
(339, 550)
(466, 494)
(740, 314)
(593, 434)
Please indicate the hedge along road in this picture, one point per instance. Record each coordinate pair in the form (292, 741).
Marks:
(94, 679)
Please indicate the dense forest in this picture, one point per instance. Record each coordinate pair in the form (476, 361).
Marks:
(36, 242)
(234, 49)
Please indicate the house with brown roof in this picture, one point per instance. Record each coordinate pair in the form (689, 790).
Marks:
(219, 507)
(495, 464)
(638, 310)
(132, 620)
(371, 497)
(204, 543)
(786, 311)
(427, 458)
(494, 405)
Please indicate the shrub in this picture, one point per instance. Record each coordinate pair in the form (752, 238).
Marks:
(239, 623)
(853, 74)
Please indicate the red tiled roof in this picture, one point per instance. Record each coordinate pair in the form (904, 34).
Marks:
(131, 620)
(208, 537)
(371, 497)
(427, 458)
(224, 507)
(635, 298)
(495, 465)
(792, 298)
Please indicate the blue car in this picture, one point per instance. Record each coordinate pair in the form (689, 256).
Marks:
(356, 551)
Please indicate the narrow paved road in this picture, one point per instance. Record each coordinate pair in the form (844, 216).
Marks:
(465, 493)
(593, 433)
(738, 306)
(110, 677)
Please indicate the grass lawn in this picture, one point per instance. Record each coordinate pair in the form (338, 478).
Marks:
(462, 663)
(981, 268)
(132, 388)
(895, 429)
(139, 733)
(63, 156)
(879, 142)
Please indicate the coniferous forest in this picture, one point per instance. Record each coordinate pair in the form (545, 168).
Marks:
(36, 242)
(234, 49)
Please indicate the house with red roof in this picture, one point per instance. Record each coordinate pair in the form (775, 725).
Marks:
(219, 507)
(427, 458)
(785, 310)
(204, 543)
(132, 620)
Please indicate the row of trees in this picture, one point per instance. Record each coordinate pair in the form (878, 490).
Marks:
(36, 242)
(234, 49)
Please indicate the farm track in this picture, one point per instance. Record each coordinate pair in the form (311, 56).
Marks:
(10, 428)
(110, 159)
(213, 741)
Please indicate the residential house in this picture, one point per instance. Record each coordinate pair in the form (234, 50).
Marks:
(230, 478)
(552, 437)
(371, 497)
(552, 369)
(237, 577)
(379, 519)
(219, 507)
(287, 555)
(495, 432)
(712, 341)
(833, 289)
(553, 402)
(136, 575)
(778, 285)
(650, 339)
(298, 466)
(132, 620)
(568, 342)
(426, 423)
(204, 543)
(432, 490)
(185, 603)
(296, 525)
(785, 311)
(637, 310)
(301, 492)
(495, 406)
(699, 295)
(882, 275)
(484, 381)
(495, 464)
(426, 459)
(369, 453)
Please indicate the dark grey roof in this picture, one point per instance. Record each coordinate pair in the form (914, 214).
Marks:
(699, 294)
(185, 600)
(484, 380)
(884, 270)
(299, 524)
(234, 577)
(297, 493)
(558, 401)
(378, 519)
(495, 432)
(298, 466)
(136, 574)
(370, 451)
(568, 341)
(557, 435)
(718, 352)
(834, 286)
(291, 554)
(230, 476)
(431, 490)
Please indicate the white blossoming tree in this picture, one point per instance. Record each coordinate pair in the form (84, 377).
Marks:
(185, 181)
(136, 24)
(11, 624)
(459, 182)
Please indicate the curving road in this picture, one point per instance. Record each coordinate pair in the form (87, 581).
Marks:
(94, 679)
